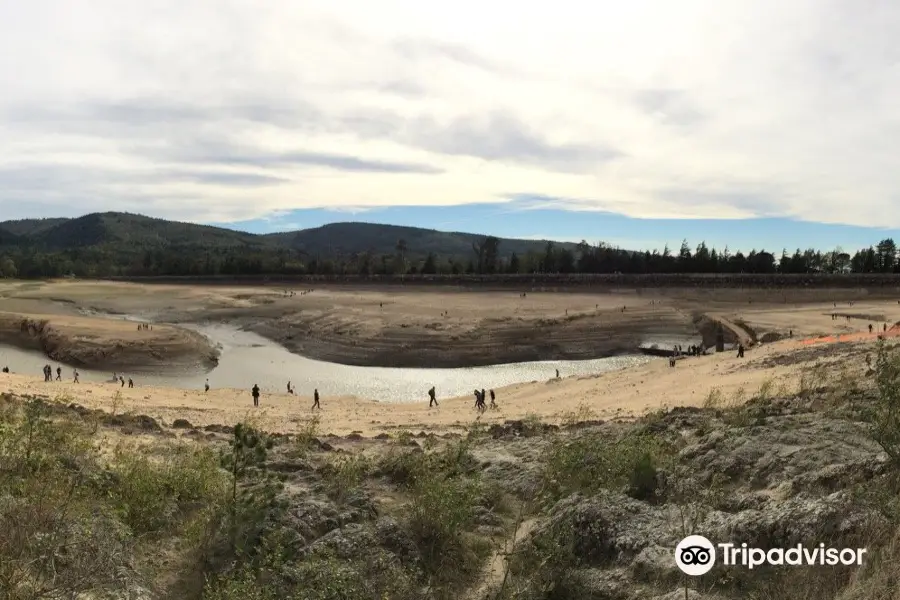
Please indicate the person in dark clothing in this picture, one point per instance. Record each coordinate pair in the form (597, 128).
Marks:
(432, 399)
(76, 376)
(316, 400)
(493, 400)
(206, 386)
(59, 373)
(255, 393)
(870, 328)
(122, 379)
(289, 388)
(479, 401)
(6, 369)
(130, 382)
(740, 353)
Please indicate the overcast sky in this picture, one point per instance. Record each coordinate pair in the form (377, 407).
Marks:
(233, 110)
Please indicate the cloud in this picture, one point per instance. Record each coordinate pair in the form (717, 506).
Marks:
(224, 111)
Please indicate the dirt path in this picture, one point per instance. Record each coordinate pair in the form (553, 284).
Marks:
(496, 570)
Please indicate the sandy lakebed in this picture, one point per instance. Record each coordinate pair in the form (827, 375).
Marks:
(373, 320)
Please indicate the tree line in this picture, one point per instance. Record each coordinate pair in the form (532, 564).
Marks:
(487, 257)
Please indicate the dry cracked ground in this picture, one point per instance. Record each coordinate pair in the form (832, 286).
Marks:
(95, 503)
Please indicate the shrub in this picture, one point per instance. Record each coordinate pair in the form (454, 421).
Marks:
(346, 474)
(594, 461)
(152, 494)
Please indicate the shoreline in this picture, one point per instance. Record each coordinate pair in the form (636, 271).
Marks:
(105, 344)
(622, 394)
(393, 327)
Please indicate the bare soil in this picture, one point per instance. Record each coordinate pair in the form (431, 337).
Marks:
(415, 326)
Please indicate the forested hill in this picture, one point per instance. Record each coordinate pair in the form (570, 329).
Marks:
(102, 244)
(121, 244)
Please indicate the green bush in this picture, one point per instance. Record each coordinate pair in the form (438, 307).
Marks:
(595, 461)
(346, 474)
(154, 493)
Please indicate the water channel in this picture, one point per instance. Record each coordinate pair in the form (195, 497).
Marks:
(247, 358)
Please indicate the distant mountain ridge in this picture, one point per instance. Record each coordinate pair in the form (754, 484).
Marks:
(131, 233)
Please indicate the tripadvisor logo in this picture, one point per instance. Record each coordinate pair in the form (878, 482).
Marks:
(695, 555)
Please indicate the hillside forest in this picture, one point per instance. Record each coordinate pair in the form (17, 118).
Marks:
(119, 244)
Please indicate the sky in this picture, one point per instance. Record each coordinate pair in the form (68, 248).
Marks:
(752, 123)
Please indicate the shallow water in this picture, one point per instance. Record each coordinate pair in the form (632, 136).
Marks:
(247, 358)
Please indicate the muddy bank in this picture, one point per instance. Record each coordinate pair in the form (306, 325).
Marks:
(432, 343)
(106, 344)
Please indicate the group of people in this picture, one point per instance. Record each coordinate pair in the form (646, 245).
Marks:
(120, 379)
(480, 396)
(48, 373)
(480, 405)
(254, 393)
(144, 327)
(48, 376)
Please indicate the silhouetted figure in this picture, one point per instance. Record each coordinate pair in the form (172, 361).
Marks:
(59, 373)
(479, 401)
(493, 399)
(122, 379)
(206, 386)
(76, 376)
(870, 328)
(6, 369)
(557, 373)
(289, 388)
(130, 382)
(432, 399)
(316, 400)
(255, 393)
(740, 353)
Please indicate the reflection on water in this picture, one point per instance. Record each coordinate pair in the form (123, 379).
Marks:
(247, 358)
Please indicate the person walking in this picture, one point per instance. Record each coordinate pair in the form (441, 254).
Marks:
(206, 386)
(432, 398)
(316, 400)
(255, 393)
(493, 400)
(59, 373)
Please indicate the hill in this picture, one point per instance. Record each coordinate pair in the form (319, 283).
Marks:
(328, 241)
(129, 245)
(136, 231)
(345, 239)
(114, 243)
